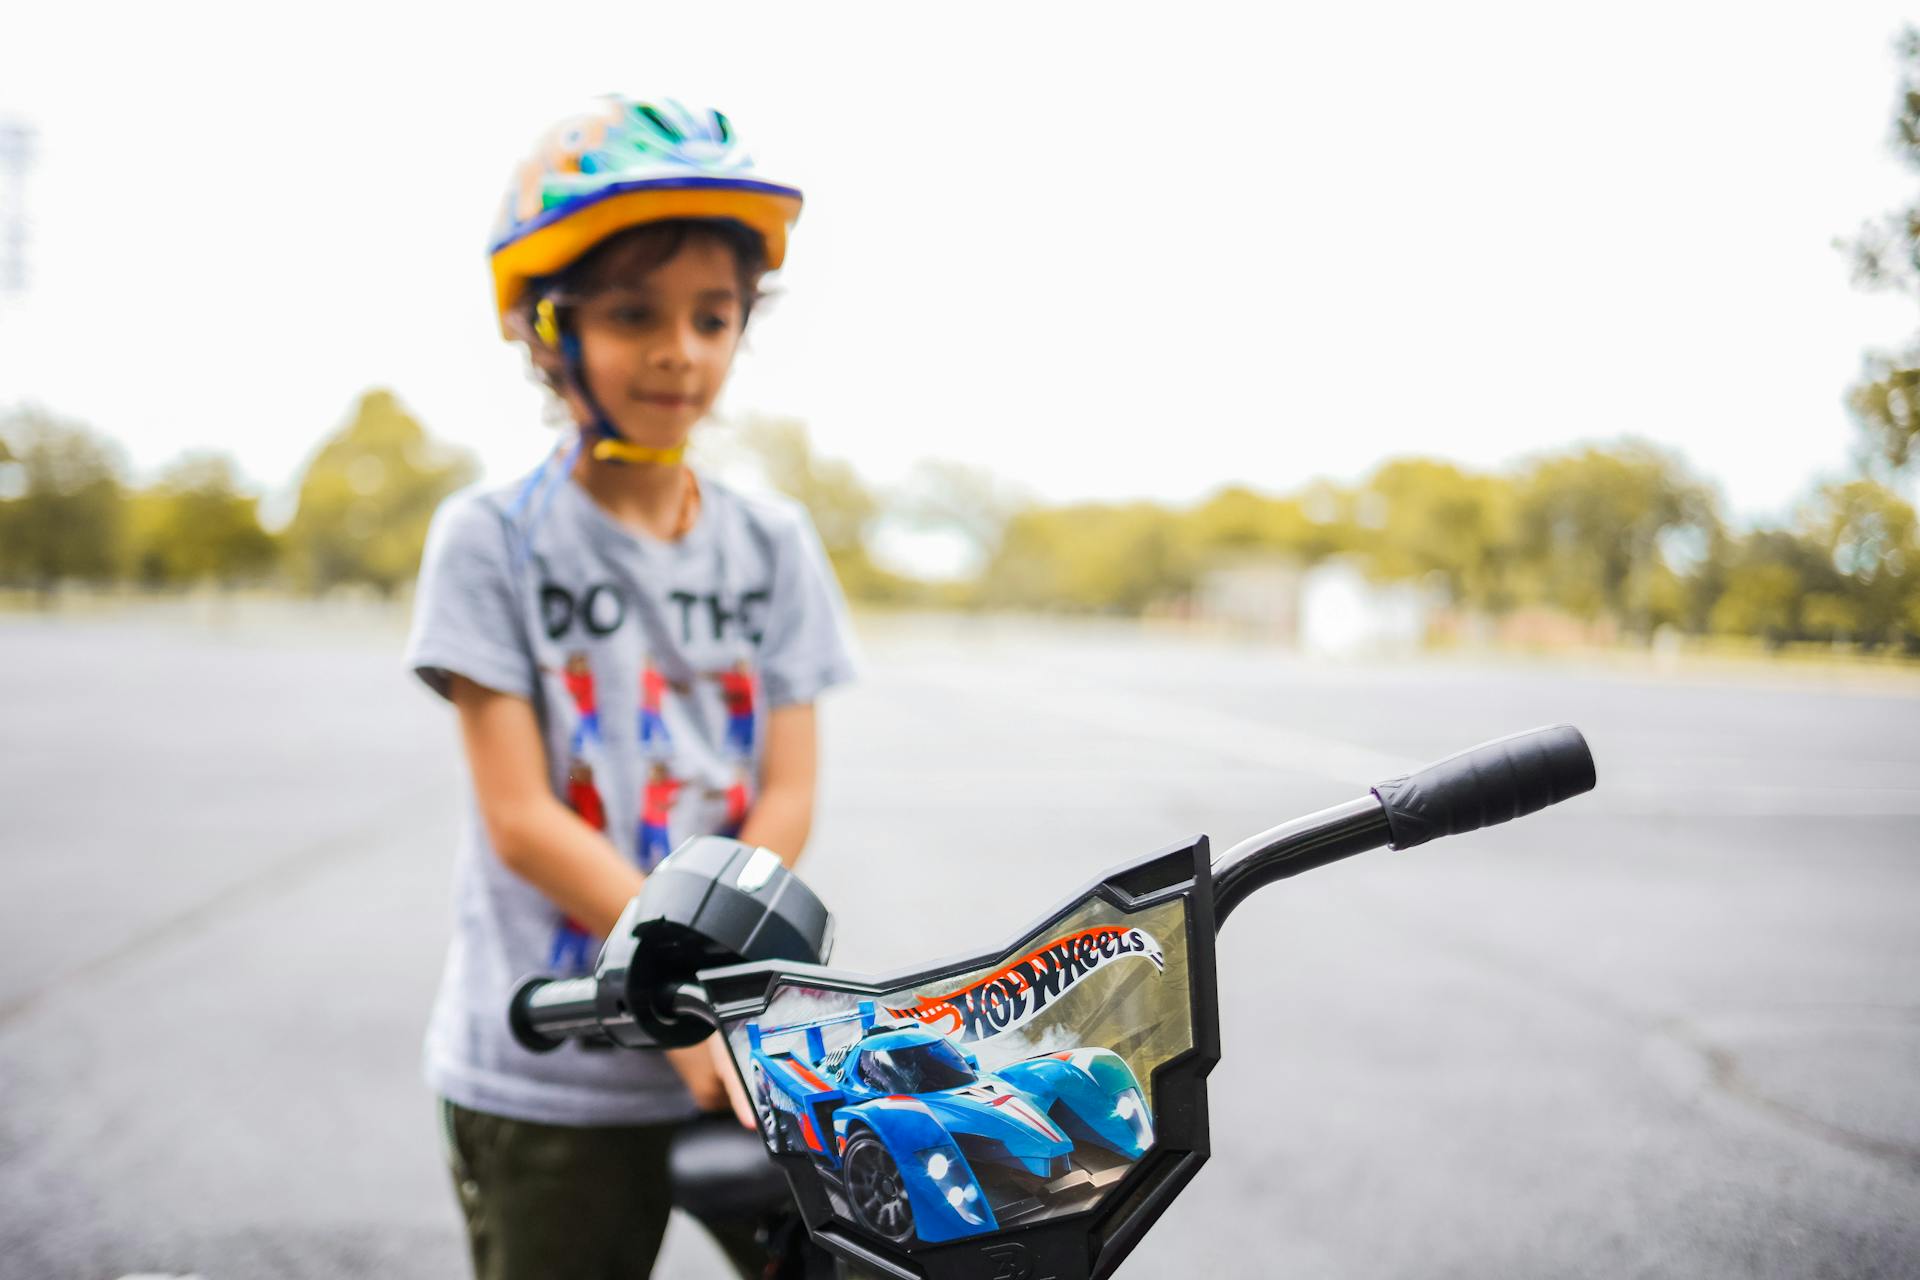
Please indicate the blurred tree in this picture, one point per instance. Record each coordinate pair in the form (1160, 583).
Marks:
(1829, 616)
(1442, 523)
(1612, 532)
(1886, 402)
(843, 509)
(1703, 577)
(1868, 536)
(1886, 255)
(367, 497)
(1090, 557)
(1763, 590)
(64, 510)
(195, 524)
(968, 501)
(1027, 569)
(1236, 519)
(830, 489)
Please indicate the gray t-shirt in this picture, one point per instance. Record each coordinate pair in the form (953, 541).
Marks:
(651, 666)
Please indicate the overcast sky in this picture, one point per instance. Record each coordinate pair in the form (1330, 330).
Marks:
(1109, 251)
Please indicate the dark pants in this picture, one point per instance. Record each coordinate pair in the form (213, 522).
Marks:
(556, 1202)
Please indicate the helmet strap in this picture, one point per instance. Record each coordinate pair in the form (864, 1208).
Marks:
(609, 445)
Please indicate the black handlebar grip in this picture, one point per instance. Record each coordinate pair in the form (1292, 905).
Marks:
(544, 1012)
(1492, 783)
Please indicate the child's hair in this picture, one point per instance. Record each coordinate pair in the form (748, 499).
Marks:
(628, 256)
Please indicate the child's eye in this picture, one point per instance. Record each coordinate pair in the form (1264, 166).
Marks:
(714, 323)
(629, 313)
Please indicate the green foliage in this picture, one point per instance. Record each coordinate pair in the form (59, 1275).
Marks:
(968, 501)
(1830, 617)
(1847, 572)
(1625, 533)
(1867, 535)
(1447, 526)
(195, 524)
(1123, 558)
(1886, 404)
(1761, 598)
(1239, 520)
(1886, 400)
(843, 509)
(842, 506)
(367, 497)
(64, 512)
(1090, 557)
(1601, 532)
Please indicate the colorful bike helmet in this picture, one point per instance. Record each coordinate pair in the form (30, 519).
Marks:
(620, 165)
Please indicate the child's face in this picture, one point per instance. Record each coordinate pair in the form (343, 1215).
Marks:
(656, 352)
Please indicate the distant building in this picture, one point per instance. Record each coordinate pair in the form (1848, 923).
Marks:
(1257, 596)
(1330, 609)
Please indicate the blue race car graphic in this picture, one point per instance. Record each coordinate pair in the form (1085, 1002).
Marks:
(916, 1143)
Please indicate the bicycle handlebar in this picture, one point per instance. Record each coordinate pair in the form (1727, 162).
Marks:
(716, 890)
(545, 1012)
(1482, 786)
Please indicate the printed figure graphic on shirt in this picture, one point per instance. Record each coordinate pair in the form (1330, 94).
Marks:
(739, 799)
(736, 688)
(583, 797)
(656, 810)
(572, 950)
(655, 744)
(578, 677)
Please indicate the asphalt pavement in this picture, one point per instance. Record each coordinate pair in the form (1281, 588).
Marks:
(1668, 1029)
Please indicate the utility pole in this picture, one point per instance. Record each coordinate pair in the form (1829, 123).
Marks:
(16, 157)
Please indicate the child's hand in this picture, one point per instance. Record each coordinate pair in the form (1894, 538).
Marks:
(730, 1080)
(709, 1077)
(696, 1067)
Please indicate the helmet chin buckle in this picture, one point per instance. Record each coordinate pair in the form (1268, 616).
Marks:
(638, 454)
(546, 322)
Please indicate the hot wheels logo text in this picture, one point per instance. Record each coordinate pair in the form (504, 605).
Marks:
(1011, 997)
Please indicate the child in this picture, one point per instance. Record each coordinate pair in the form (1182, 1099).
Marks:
(628, 261)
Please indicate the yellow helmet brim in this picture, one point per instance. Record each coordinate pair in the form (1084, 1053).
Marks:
(546, 250)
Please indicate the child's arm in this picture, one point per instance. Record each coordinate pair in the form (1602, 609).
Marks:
(550, 847)
(780, 820)
(782, 814)
(533, 833)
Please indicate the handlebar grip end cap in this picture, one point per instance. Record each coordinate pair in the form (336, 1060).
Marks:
(1486, 785)
(520, 1020)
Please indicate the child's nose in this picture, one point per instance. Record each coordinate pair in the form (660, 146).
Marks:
(675, 348)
